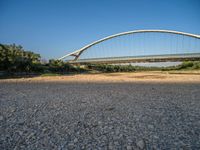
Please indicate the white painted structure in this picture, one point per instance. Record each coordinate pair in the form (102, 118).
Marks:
(78, 52)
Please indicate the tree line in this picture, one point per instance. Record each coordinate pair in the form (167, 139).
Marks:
(14, 59)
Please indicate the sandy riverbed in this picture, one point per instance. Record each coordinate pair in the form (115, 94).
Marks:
(117, 77)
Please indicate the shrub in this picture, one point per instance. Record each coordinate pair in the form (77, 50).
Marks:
(112, 68)
(185, 65)
(14, 58)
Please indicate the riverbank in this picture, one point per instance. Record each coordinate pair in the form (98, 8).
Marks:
(145, 76)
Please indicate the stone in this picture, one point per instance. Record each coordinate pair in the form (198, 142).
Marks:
(21, 121)
(20, 133)
(128, 147)
(141, 144)
(150, 126)
(110, 146)
(155, 137)
(75, 140)
(44, 129)
(38, 122)
(12, 109)
(117, 131)
(1, 118)
(71, 145)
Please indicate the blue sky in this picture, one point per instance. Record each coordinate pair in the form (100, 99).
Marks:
(55, 27)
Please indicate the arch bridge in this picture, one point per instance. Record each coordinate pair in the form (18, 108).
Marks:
(139, 46)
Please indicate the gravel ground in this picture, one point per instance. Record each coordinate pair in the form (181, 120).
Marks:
(128, 116)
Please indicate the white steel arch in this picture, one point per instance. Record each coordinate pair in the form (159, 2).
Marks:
(78, 52)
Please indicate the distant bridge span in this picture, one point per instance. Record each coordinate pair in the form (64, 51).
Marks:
(138, 58)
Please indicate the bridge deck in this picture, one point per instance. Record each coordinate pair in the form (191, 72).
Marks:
(134, 59)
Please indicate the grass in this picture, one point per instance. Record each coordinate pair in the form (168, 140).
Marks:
(50, 74)
(187, 71)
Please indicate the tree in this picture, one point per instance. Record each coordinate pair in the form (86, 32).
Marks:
(14, 58)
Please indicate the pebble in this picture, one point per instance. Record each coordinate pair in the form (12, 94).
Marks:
(129, 147)
(20, 132)
(117, 131)
(21, 121)
(38, 122)
(141, 144)
(156, 137)
(110, 146)
(75, 140)
(12, 109)
(44, 130)
(150, 126)
(71, 145)
(1, 118)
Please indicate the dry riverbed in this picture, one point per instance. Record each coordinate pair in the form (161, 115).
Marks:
(154, 76)
(144, 110)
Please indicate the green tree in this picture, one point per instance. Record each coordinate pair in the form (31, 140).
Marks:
(14, 58)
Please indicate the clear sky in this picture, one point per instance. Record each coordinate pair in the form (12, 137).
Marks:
(56, 27)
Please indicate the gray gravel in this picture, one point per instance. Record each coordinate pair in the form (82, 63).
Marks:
(99, 116)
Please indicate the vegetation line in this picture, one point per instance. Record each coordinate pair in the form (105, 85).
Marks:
(14, 61)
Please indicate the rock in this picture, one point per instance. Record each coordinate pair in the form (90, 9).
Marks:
(44, 130)
(71, 145)
(116, 143)
(150, 126)
(110, 108)
(21, 121)
(20, 133)
(31, 135)
(38, 122)
(99, 122)
(117, 131)
(155, 137)
(128, 147)
(75, 140)
(141, 144)
(110, 146)
(1, 118)
(12, 109)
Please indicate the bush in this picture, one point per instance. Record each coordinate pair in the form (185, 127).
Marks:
(14, 58)
(196, 65)
(185, 65)
(112, 68)
(58, 66)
